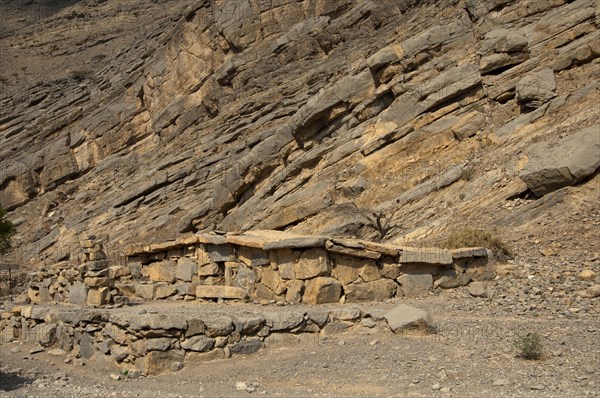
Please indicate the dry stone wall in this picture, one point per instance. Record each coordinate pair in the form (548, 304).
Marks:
(88, 281)
(153, 342)
(271, 266)
(284, 267)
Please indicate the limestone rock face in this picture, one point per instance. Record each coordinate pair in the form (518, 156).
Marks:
(318, 117)
(553, 165)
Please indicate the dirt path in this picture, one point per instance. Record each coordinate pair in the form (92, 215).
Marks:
(471, 356)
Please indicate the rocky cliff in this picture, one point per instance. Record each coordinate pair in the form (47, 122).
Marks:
(387, 120)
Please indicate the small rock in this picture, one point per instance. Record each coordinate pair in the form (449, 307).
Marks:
(368, 322)
(176, 366)
(436, 387)
(477, 289)
(133, 374)
(537, 387)
(594, 291)
(57, 352)
(587, 275)
(35, 350)
(501, 382)
(115, 376)
(14, 350)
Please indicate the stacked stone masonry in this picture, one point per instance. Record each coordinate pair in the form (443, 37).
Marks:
(165, 338)
(260, 265)
(284, 267)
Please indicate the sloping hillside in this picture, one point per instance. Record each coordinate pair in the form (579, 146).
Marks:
(142, 120)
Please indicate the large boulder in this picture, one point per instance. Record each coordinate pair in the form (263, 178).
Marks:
(322, 290)
(554, 165)
(405, 317)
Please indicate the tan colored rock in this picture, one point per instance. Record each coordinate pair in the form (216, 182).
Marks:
(164, 291)
(587, 275)
(145, 291)
(346, 269)
(186, 269)
(594, 291)
(98, 282)
(390, 269)
(322, 290)
(426, 255)
(414, 285)
(271, 279)
(295, 290)
(118, 271)
(311, 263)
(99, 296)
(370, 272)
(225, 292)
(210, 269)
(163, 271)
(378, 290)
(158, 362)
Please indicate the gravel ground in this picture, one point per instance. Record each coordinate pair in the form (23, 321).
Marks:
(472, 355)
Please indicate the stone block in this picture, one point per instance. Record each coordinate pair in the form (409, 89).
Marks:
(271, 279)
(100, 296)
(378, 290)
(186, 269)
(295, 290)
(96, 265)
(145, 291)
(224, 292)
(312, 263)
(163, 271)
(78, 293)
(246, 347)
(118, 271)
(141, 347)
(252, 257)
(198, 343)
(164, 291)
(98, 282)
(220, 253)
(210, 269)
(425, 255)
(245, 278)
(322, 290)
(414, 285)
(158, 362)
